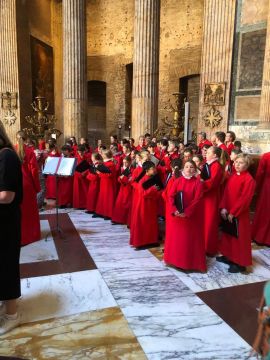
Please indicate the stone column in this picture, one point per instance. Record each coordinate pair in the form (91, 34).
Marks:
(9, 73)
(74, 67)
(217, 50)
(265, 96)
(145, 67)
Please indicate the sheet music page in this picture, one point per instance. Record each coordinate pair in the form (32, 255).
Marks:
(66, 167)
(51, 165)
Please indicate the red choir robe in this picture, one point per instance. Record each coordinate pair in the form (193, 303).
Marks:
(51, 180)
(123, 201)
(184, 244)
(211, 208)
(261, 222)
(236, 199)
(65, 190)
(230, 147)
(136, 172)
(204, 142)
(93, 191)
(144, 229)
(223, 147)
(30, 216)
(107, 191)
(80, 186)
(168, 211)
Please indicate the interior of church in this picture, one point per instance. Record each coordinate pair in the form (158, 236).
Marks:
(137, 101)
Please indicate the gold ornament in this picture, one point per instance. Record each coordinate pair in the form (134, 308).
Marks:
(212, 118)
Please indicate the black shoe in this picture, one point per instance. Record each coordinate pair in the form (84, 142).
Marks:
(88, 212)
(234, 269)
(115, 223)
(223, 260)
(106, 218)
(96, 216)
(149, 246)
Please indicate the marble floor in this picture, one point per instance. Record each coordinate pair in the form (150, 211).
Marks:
(89, 295)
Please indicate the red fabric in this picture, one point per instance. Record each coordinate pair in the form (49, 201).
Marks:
(144, 229)
(65, 190)
(230, 147)
(184, 245)
(136, 172)
(123, 202)
(30, 216)
(204, 142)
(261, 223)
(93, 191)
(168, 210)
(51, 181)
(223, 147)
(236, 199)
(107, 192)
(211, 206)
(80, 186)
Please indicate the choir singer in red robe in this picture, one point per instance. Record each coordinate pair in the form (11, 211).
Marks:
(211, 200)
(261, 223)
(144, 229)
(80, 183)
(235, 204)
(184, 244)
(65, 183)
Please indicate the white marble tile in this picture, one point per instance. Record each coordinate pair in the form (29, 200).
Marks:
(170, 321)
(217, 275)
(43, 250)
(66, 294)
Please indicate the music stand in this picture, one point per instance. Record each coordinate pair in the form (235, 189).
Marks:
(58, 166)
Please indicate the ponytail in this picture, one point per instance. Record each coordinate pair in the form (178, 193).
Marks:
(20, 149)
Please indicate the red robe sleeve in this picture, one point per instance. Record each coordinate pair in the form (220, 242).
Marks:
(34, 170)
(151, 193)
(196, 200)
(243, 202)
(215, 180)
(171, 196)
(260, 172)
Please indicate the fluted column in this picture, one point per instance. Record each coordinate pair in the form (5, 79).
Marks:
(145, 67)
(265, 96)
(74, 69)
(217, 50)
(9, 76)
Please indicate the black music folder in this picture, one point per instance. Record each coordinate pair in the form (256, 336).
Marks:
(230, 228)
(205, 173)
(179, 202)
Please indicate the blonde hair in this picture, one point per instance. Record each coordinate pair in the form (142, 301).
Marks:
(144, 154)
(246, 158)
(21, 137)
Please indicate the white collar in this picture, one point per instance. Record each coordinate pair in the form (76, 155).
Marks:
(107, 160)
(187, 177)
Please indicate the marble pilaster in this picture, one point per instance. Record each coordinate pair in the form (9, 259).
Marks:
(219, 18)
(9, 79)
(265, 95)
(145, 67)
(74, 67)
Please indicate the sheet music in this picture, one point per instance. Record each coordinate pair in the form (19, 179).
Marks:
(66, 167)
(51, 165)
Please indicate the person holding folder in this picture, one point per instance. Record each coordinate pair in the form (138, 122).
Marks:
(235, 247)
(184, 243)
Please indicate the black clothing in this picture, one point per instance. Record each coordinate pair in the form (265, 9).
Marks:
(10, 226)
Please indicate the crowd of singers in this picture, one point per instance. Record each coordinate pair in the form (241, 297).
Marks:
(137, 185)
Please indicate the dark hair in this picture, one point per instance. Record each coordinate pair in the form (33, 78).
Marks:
(217, 151)
(232, 135)
(69, 142)
(81, 148)
(152, 144)
(4, 139)
(164, 142)
(127, 145)
(97, 156)
(199, 156)
(220, 135)
(52, 146)
(188, 150)
(127, 158)
(147, 135)
(114, 147)
(238, 143)
(191, 162)
(114, 136)
(66, 148)
(237, 151)
(177, 166)
(102, 147)
(132, 140)
(148, 165)
(75, 141)
(125, 142)
(108, 154)
(206, 146)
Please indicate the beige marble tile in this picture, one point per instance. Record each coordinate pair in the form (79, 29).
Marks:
(95, 335)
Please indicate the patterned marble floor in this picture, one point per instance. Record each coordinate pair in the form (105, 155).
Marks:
(129, 306)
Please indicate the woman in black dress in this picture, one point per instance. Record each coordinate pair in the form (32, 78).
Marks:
(10, 230)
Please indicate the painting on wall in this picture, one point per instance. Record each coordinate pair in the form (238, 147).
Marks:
(251, 60)
(214, 94)
(42, 71)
